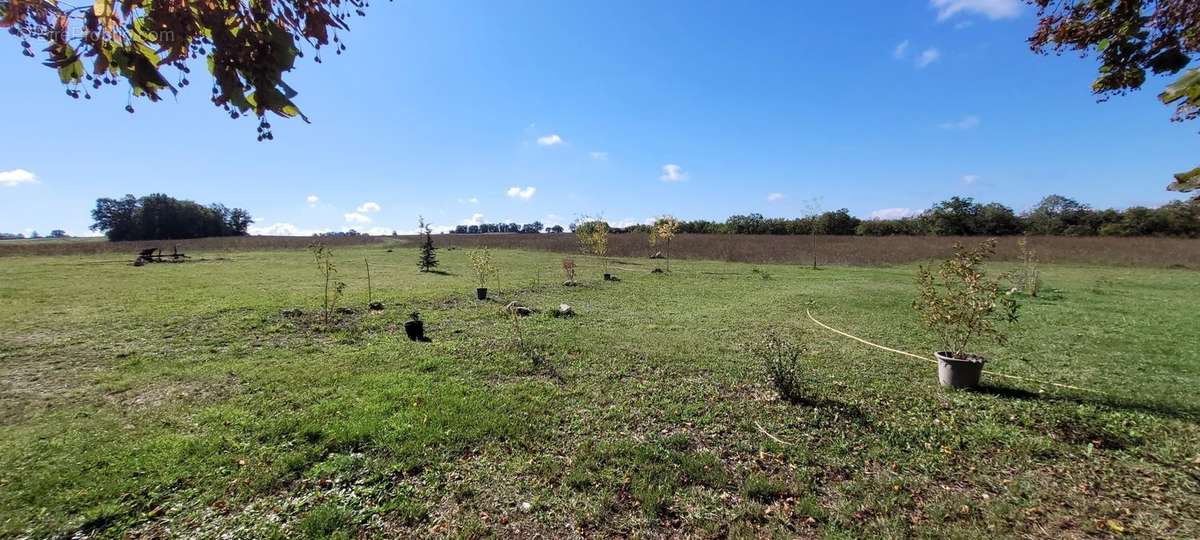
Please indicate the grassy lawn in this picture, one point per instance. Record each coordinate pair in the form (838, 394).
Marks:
(177, 400)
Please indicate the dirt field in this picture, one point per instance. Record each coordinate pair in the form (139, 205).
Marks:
(838, 250)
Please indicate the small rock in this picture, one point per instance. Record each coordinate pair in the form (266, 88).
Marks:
(526, 507)
(376, 306)
(569, 283)
(292, 313)
(565, 310)
(346, 311)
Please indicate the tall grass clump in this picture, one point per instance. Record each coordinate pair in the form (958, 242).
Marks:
(1027, 278)
(782, 360)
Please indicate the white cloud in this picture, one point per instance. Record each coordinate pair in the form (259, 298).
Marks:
(519, 193)
(550, 140)
(368, 208)
(356, 217)
(475, 219)
(469, 200)
(893, 213)
(992, 9)
(773, 197)
(599, 156)
(629, 222)
(901, 50)
(968, 122)
(970, 179)
(673, 173)
(282, 229)
(312, 200)
(928, 56)
(17, 177)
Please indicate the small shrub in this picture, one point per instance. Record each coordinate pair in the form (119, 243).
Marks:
(482, 265)
(593, 239)
(428, 260)
(1027, 278)
(663, 231)
(962, 305)
(761, 273)
(782, 360)
(568, 266)
(333, 288)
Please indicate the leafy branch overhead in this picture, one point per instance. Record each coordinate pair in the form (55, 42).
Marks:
(1131, 37)
(248, 45)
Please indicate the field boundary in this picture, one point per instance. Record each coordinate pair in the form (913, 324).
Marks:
(1151, 252)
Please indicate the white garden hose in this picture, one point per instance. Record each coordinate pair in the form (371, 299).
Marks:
(928, 359)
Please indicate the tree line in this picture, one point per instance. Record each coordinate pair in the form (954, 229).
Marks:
(528, 228)
(161, 217)
(56, 233)
(963, 216)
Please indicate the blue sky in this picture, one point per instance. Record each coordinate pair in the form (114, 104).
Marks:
(532, 110)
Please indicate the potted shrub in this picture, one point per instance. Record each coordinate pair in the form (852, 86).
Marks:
(414, 328)
(481, 264)
(961, 305)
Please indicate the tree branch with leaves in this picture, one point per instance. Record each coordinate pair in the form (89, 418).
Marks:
(248, 46)
(1131, 38)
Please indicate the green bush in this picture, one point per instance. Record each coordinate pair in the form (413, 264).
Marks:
(782, 360)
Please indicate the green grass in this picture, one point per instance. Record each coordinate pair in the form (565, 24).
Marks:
(177, 397)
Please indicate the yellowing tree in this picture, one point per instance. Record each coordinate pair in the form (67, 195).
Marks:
(663, 231)
(593, 239)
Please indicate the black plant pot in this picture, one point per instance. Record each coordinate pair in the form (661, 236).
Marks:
(415, 330)
(607, 277)
(481, 293)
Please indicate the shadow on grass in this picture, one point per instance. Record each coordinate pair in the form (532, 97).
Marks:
(1182, 412)
(835, 410)
(440, 272)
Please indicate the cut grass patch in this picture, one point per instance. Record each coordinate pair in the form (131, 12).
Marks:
(178, 397)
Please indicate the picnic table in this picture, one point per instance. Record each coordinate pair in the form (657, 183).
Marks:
(154, 254)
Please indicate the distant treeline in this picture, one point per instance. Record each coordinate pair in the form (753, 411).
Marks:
(1055, 215)
(160, 217)
(528, 228)
(56, 233)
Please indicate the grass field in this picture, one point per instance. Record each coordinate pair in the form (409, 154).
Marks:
(177, 400)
